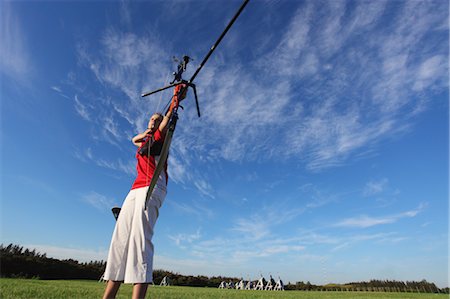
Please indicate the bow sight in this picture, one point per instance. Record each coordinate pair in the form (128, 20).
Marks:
(178, 79)
(181, 68)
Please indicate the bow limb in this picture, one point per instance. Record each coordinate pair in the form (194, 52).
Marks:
(162, 158)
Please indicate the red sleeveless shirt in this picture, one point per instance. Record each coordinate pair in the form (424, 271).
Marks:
(146, 164)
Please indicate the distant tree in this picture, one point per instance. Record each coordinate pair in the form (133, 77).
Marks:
(16, 262)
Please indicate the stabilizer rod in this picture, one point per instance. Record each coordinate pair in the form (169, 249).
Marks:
(218, 40)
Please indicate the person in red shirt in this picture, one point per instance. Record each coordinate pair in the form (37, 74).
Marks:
(130, 258)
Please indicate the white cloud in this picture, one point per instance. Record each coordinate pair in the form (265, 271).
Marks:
(125, 12)
(253, 228)
(194, 208)
(325, 93)
(346, 116)
(81, 109)
(127, 167)
(123, 64)
(281, 249)
(375, 187)
(346, 242)
(177, 169)
(56, 88)
(98, 201)
(111, 128)
(432, 70)
(286, 58)
(15, 58)
(263, 224)
(365, 221)
(238, 249)
(204, 187)
(367, 14)
(180, 239)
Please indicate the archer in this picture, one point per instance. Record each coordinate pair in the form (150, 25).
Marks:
(130, 258)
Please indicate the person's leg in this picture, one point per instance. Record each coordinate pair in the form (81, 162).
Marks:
(116, 263)
(139, 290)
(118, 251)
(139, 265)
(111, 289)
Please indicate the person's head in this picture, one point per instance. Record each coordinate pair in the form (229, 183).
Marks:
(154, 121)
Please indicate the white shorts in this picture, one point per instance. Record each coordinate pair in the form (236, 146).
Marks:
(130, 257)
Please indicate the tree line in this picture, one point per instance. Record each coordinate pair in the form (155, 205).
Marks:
(19, 262)
(422, 286)
(25, 263)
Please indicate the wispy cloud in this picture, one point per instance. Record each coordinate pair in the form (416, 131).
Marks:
(375, 187)
(252, 245)
(59, 90)
(238, 249)
(37, 184)
(346, 242)
(180, 239)
(81, 109)
(15, 58)
(431, 70)
(325, 93)
(98, 201)
(282, 249)
(56, 88)
(204, 187)
(256, 236)
(128, 167)
(365, 221)
(263, 223)
(346, 115)
(253, 228)
(194, 208)
(182, 169)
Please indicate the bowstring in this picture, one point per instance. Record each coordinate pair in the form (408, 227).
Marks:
(151, 138)
(160, 97)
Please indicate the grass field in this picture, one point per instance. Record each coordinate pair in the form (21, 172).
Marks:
(58, 289)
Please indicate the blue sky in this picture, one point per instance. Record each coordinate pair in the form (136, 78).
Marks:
(321, 154)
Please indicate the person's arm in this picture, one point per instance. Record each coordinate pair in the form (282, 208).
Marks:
(163, 126)
(139, 138)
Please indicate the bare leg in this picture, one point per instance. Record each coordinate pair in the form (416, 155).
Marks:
(111, 289)
(139, 290)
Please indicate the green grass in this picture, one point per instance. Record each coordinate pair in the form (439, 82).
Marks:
(46, 289)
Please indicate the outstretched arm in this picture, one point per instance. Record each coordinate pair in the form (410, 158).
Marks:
(175, 101)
